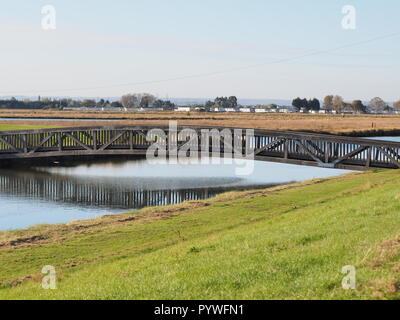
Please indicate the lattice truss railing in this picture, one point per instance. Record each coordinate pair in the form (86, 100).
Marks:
(328, 153)
(92, 140)
(324, 150)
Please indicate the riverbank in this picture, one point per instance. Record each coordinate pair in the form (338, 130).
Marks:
(355, 125)
(288, 242)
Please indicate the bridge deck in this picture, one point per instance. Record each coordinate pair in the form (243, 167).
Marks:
(276, 146)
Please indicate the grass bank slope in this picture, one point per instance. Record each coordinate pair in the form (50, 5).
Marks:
(12, 127)
(288, 242)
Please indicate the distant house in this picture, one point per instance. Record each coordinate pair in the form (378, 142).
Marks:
(148, 109)
(247, 110)
(230, 110)
(183, 109)
(287, 110)
(261, 110)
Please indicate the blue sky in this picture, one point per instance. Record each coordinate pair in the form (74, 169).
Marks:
(108, 48)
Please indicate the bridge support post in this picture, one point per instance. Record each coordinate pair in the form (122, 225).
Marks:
(131, 139)
(286, 149)
(25, 143)
(60, 141)
(369, 156)
(327, 152)
(94, 134)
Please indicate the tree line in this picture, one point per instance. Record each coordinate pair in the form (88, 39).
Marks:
(337, 103)
(146, 101)
(312, 104)
(149, 101)
(129, 101)
(56, 104)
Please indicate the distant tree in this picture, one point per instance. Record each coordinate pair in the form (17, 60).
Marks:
(358, 106)
(232, 102)
(73, 103)
(314, 104)
(138, 100)
(147, 100)
(129, 101)
(88, 103)
(297, 103)
(396, 105)
(302, 104)
(116, 104)
(166, 105)
(221, 102)
(305, 105)
(377, 104)
(158, 104)
(208, 106)
(328, 102)
(225, 102)
(338, 104)
(101, 103)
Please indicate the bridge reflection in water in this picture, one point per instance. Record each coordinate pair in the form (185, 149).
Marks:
(93, 192)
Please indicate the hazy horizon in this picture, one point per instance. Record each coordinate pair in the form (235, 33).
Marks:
(186, 100)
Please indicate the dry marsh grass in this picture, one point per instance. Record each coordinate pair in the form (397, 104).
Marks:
(335, 124)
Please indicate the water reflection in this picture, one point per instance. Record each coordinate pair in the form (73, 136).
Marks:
(62, 194)
(107, 192)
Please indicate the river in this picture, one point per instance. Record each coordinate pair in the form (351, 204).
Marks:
(48, 195)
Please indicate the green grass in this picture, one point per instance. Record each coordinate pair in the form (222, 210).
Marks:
(286, 243)
(12, 127)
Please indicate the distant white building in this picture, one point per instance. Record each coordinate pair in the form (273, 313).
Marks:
(261, 110)
(183, 109)
(218, 109)
(247, 110)
(230, 110)
(287, 110)
(148, 109)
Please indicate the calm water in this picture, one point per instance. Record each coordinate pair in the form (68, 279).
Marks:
(64, 194)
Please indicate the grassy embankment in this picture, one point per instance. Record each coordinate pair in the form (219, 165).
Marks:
(289, 242)
(12, 127)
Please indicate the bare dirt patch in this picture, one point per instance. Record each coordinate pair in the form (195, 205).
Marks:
(386, 251)
(59, 232)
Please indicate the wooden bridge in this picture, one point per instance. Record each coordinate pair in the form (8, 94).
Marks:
(298, 148)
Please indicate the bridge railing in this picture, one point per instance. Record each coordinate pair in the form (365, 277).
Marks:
(281, 146)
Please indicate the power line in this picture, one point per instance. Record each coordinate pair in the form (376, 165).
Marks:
(215, 73)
